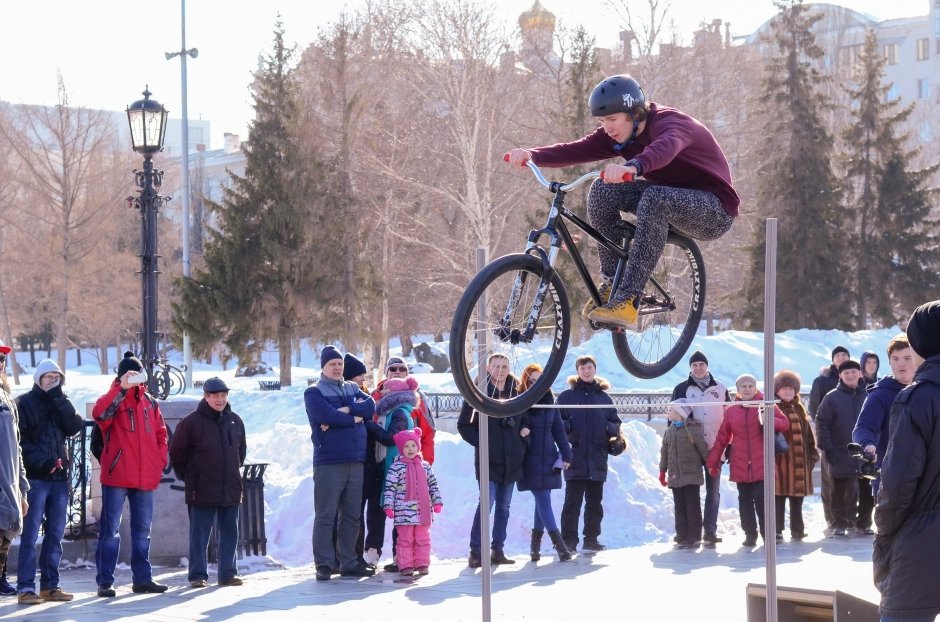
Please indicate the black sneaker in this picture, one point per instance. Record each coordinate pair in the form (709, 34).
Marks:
(393, 567)
(150, 587)
(711, 538)
(357, 571)
(5, 588)
(750, 540)
(323, 573)
(106, 591)
(838, 533)
(592, 545)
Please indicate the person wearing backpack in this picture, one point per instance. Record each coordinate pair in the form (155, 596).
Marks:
(47, 419)
(132, 462)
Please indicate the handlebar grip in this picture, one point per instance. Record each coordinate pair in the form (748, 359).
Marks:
(626, 177)
(506, 158)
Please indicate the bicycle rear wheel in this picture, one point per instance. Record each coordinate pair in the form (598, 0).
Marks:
(492, 317)
(669, 313)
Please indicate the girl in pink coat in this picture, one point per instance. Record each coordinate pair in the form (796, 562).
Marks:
(742, 429)
(411, 495)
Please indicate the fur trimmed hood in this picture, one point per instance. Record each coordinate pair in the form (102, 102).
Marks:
(601, 382)
(390, 401)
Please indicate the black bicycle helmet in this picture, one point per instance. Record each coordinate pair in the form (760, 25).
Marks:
(616, 94)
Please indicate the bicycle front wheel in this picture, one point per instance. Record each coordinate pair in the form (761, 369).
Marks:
(669, 313)
(509, 310)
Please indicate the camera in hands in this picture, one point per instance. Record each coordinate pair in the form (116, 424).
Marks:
(866, 461)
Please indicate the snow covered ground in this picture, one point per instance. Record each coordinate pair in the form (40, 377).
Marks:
(637, 509)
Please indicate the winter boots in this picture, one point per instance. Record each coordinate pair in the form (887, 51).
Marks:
(498, 558)
(563, 553)
(536, 545)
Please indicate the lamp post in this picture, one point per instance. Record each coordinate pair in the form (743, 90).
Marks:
(147, 120)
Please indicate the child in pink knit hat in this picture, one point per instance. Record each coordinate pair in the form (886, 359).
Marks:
(411, 494)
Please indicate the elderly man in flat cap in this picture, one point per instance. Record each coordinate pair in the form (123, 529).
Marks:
(208, 447)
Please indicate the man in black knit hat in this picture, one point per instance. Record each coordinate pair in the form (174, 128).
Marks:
(907, 514)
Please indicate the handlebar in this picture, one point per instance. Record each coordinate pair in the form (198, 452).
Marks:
(570, 185)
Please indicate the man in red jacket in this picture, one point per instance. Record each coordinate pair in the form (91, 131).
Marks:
(132, 463)
(686, 185)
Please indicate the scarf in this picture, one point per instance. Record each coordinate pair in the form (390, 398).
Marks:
(704, 383)
(416, 487)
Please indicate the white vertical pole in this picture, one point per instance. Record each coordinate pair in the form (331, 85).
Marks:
(187, 348)
(770, 322)
(483, 352)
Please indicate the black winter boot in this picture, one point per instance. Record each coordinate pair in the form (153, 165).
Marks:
(474, 561)
(499, 558)
(536, 545)
(563, 553)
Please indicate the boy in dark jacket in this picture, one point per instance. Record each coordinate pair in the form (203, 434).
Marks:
(907, 515)
(47, 419)
(589, 432)
(681, 458)
(835, 421)
(507, 450)
(336, 410)
(209, 448)
(871, 429)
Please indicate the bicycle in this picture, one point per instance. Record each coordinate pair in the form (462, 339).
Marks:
(517, 307)
(168, 380)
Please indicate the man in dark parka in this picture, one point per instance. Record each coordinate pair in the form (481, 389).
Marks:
(207, 452)
(907, 515)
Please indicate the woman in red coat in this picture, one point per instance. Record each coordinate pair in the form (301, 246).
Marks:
(742, 427)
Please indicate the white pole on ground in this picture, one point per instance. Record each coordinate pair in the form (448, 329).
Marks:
(484, 449)
(770, 323)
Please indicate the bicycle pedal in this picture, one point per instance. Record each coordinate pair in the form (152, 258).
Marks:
(614, 328)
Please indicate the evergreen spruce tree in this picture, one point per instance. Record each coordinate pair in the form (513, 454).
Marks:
(797, 185)
(271, 254)
(896, 265)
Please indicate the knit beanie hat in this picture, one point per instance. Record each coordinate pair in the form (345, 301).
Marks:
(327, 354)
(393, 385)
(679, 407)
(849, 364)
(47, 366)
(395, 360)
(838, 349)
(923, 329)
(743, 378)
(787, 378)
(129, 363)
(407, 435)
(698, 357)
(352, 367)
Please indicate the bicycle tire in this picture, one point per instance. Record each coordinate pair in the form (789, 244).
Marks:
(496, 281)
(662, 337)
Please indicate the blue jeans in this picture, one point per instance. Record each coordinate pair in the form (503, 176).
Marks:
(200, 524)
(712, 501)
(501, 495)
(544, 516)
(48, 501)
(920, 618)
(109, 533)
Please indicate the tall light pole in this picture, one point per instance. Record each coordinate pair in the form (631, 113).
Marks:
(183, 53)
(147, 121)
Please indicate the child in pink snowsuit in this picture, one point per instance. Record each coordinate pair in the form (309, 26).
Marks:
(411, 493)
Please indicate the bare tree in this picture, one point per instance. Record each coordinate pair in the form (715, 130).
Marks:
(69, 163)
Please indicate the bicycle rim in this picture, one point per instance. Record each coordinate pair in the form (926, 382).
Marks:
(666, 325)
(508, 286)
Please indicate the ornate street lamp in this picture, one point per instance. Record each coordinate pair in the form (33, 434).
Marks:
(147, 120)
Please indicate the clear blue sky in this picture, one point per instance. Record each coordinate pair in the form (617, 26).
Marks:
(107, 50)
